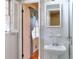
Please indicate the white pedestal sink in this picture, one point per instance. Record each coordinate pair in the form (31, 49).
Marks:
(54, 51)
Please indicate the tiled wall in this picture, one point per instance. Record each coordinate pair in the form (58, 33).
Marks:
(49, 34)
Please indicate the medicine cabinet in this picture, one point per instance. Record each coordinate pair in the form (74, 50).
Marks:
(53, 14)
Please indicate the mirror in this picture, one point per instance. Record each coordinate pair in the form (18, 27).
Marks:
(53, 15)
(54, 18)
(34, 31)
(34, 28)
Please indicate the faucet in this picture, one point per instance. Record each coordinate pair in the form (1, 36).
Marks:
(55, 43)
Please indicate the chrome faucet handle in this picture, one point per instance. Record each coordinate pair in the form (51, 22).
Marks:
(54, 43)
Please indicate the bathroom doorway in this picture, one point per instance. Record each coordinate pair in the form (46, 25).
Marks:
(30, 39)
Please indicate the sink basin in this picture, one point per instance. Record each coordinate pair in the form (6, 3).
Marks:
(55, 50)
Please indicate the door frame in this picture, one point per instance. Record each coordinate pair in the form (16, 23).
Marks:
(20, 41)
(20, 32)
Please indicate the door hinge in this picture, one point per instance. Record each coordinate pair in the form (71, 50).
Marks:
(22, 11)
(22, 55)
